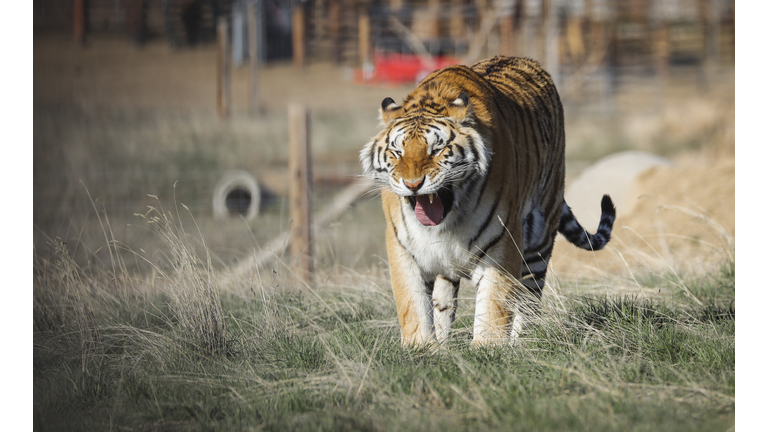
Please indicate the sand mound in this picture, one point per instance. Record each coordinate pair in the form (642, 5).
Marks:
(612, 175)
(679, 217)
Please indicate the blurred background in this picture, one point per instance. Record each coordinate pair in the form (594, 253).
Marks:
(134, 98)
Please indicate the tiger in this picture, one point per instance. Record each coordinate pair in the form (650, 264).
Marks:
(471, 172)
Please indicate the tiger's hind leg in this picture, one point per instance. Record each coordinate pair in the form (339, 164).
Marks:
(528, 301)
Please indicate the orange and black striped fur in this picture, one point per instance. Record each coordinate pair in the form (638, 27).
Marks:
(472, 170)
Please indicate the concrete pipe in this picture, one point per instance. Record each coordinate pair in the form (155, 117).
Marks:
(236, 194)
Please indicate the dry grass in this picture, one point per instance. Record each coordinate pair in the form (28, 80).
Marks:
(299, 357)
(133, 329)
(189, 283)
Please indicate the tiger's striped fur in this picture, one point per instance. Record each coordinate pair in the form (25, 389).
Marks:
(472, 170)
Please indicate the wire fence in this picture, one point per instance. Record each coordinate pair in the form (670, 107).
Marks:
(592, 48)
(589, 46)
(633, 31)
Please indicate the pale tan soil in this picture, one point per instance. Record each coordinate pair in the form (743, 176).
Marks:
(612, 175)
(679, 217)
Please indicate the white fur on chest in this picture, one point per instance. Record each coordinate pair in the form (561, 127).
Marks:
(437, 250)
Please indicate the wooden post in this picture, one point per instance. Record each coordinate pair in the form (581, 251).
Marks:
(223, 67)
(457, 28)
(506, 32)
(79, 21)
(297, 17)
(708, 16)
(334, 27)
(299, 170)
(364, 38)
(661, 49)
(135, 25)
(432, 23)
(253, 53)
(575, 40)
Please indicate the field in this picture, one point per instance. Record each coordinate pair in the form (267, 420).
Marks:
(139, 323)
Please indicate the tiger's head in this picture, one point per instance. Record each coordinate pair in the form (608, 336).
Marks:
(428, 149)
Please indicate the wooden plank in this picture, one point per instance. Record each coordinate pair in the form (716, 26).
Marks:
(300, 174)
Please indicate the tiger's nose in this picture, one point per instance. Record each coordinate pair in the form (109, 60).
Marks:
(415, 185)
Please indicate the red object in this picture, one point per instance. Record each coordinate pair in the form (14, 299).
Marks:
(402, 68)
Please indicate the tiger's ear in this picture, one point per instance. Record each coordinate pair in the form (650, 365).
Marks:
(389, 110)
(460, 108)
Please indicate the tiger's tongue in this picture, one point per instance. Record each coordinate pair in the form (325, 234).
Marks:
(429, 214)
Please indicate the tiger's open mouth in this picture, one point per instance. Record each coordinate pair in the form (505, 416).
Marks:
(431, 209)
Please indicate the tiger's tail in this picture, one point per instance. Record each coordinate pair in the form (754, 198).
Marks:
(576, 234)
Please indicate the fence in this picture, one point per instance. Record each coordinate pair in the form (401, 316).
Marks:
(581, 42)
(631, 31)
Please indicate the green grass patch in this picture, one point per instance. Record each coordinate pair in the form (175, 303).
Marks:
(332, 360)
(183, 350)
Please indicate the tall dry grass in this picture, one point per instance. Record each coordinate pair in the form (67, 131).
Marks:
(188, 281)
(176, 349)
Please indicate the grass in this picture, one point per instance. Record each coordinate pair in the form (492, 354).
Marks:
(177, 349)
(123, 153)
(135, 329)
(122, 156)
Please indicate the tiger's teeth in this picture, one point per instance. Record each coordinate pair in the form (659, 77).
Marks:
(430, 198)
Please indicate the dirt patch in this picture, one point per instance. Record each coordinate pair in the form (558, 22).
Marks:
(681, 217)
(612, 175)
(110, 73)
